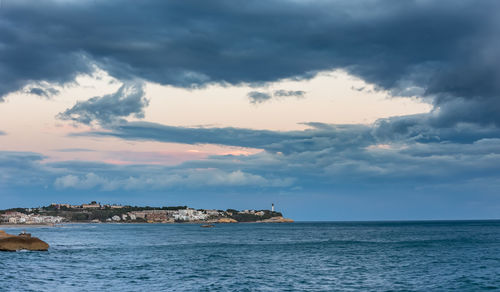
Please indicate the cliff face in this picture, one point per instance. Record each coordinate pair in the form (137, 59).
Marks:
(9, 242)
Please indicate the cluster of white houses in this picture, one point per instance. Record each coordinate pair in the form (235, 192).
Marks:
(186, 215)
(21, 218)
(164, 216)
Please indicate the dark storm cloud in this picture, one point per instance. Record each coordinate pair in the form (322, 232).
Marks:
(127, 100)
(439, 48)
(257, 97)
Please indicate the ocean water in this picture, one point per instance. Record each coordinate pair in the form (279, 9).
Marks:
(356, 256)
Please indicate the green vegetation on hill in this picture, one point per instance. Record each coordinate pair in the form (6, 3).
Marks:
(248, 217)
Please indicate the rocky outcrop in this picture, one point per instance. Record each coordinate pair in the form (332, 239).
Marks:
(226, 220)
(277, 219)
(9, 242)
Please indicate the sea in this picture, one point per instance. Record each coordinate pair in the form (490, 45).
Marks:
(302, 256)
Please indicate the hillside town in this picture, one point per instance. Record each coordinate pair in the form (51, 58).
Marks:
(14, 217)
(95, 212)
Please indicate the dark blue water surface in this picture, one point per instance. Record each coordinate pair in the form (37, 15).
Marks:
(375, 256)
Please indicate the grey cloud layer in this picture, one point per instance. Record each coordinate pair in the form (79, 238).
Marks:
(403, 150)
(321, 137)
(24, 169)
(318, 160)
(421, 128)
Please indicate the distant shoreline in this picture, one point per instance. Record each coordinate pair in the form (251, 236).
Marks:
(2, 226)
(94, 212)
(23, 225)
(125, 223)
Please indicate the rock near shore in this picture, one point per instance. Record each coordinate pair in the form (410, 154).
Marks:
(226, 220)
(277, 219)
(9, 242)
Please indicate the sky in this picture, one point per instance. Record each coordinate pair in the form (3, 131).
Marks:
(331, 110)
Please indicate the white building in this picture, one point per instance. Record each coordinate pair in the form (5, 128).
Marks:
(190, 215)
(212, 212)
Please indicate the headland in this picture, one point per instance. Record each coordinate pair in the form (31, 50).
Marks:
(94, 212)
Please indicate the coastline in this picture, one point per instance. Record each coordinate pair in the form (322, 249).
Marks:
(17, 225)
(96, 213)
(2, 226)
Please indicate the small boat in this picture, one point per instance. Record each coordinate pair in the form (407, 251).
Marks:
(207, 225)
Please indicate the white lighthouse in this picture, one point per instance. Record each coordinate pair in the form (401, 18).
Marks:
(272, 207)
